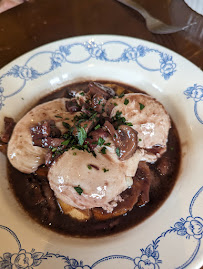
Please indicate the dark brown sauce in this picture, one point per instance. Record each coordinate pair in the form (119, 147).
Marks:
(29, 189)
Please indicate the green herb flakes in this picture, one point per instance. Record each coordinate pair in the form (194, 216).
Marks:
(82, 93)
(97, 127)
(118, 152)
(129, 123)
(57, 116)
(82, 135)
(74, 153)
(118, 114)
(103, 150)
(126, 101)
(100, 141)
(140, 139)
(79, 189)
(105, 170)
(66, 125)
(66, 142)
(54, 149)
(141, 106)
(121, 95)
(107, 144)
(115, 104)
(89, 167)
(93, 116)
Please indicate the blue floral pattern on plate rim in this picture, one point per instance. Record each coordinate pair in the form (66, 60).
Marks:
(92, 50)
(64, 54)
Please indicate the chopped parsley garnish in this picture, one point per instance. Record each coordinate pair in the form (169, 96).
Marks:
(97, 127)
(54, 149)
(57, 116)
(141, 106)
(120, 120)
(66, 125)
(107, 144)
(103, 150)
(85, 125)
(126, 101)
(82, 93)
(74, 153)
(82, 135)
(89, 167)
(105, 170)
(140, 139)
(85, 147)
(100, 141)
(93, 116)
(66, 142)
(115, 104)
(121, 95)
(129, 123)
(118, 114)
(79, 189)
(118, 152)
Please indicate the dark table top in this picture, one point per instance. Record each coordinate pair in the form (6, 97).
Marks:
(38, 22)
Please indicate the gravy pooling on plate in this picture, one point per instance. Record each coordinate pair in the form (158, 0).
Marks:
(93, 159)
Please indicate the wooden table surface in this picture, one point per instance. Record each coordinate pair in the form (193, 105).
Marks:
(38, 22)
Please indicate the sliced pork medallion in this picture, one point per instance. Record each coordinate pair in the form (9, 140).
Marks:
(148, 117)
(21, 152)
(83, 181)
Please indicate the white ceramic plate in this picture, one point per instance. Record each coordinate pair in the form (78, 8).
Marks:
(196, 5)
(170, 238)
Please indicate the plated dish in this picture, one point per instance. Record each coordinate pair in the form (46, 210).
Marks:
(125, 61)
(92, 159)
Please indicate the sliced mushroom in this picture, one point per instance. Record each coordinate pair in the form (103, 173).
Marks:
(72, 106)
(48, 142)
(94, 136)
(100, 89)
(9, 125)
(44, 129)
(142, 181)
(125, 140)
(98, 103)
(88, 125)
